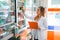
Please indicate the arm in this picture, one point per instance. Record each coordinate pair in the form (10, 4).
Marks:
(26, 14)
(29, 17)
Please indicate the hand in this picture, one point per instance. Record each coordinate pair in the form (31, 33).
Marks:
(23, 9)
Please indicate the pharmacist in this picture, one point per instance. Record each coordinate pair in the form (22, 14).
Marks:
(40, 34)
(42, 23)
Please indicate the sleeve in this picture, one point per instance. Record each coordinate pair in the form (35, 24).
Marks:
(28, 16)
(42, 24)
(45, 23)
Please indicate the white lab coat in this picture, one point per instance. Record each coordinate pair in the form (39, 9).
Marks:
(40, 34)
(42, 23)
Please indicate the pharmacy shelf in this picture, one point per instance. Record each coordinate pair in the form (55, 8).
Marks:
(7, 11)
(22, 29)
(6, 24)
(7, 37)
(11, 11)
(21, 1)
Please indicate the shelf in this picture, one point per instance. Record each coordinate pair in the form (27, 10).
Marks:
(21, 1)
(4, 33)
(7, 11)
(22, 30)
(7, 37)
(11, 11)
(6, 24)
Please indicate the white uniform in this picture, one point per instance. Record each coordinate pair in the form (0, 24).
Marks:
(42, 23)
(39, 34)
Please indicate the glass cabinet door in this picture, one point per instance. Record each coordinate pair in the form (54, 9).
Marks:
(20, 4)
(6, 12)
(7, 17)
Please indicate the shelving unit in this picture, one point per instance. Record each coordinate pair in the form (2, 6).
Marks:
(5, 32)
(7, 37)
(5, 11)
(21, 30)
(8, 17)
(6, 24)
(20, 18)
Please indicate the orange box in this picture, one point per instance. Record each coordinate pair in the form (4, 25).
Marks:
(54, 9)
(50, 35)
(56, 35)
(33, 25)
